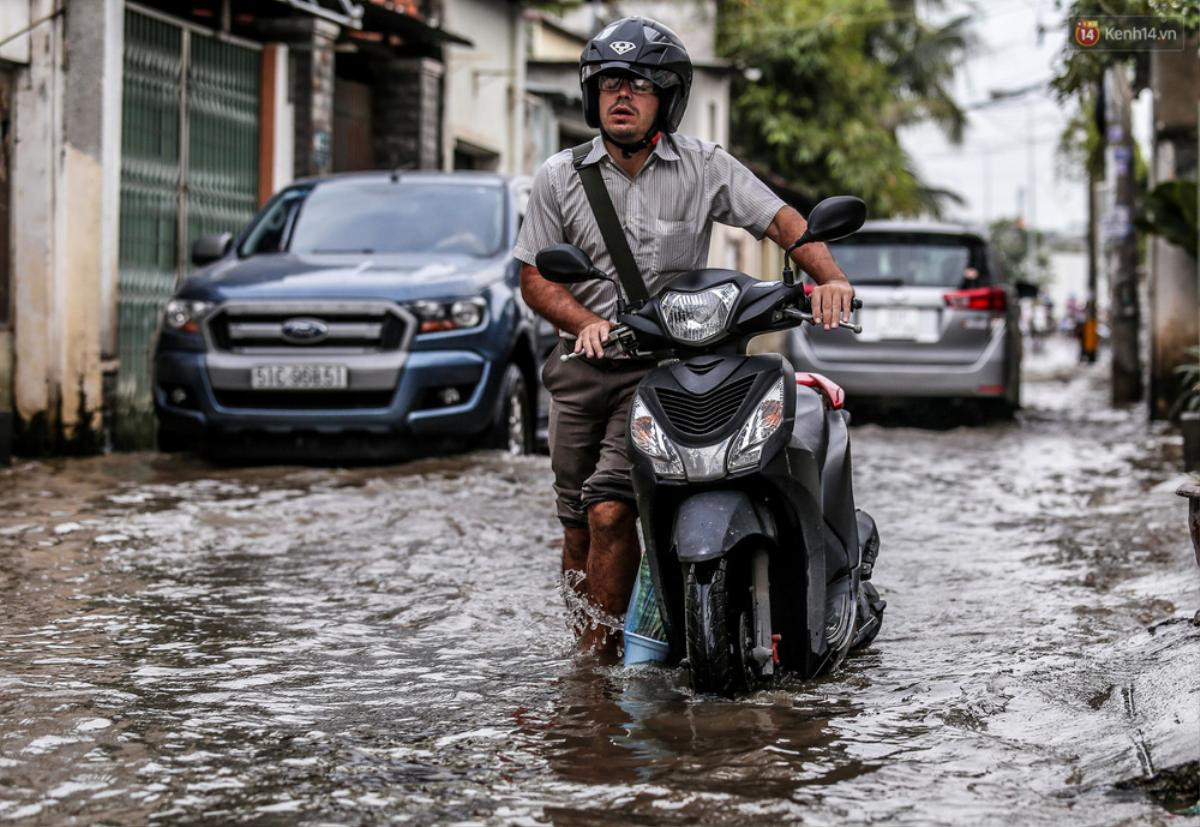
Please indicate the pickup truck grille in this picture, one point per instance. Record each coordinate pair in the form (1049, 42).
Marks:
(364, 342)
(303, 400)
(307, 327)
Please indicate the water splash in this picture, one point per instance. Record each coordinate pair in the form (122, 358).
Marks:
(583, 614)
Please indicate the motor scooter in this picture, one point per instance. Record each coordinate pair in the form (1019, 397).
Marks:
(742, 472)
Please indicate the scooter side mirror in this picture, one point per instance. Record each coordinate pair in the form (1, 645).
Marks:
(834, 218)
(566, 264)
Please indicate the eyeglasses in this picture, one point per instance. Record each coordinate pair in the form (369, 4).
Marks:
(638, 86)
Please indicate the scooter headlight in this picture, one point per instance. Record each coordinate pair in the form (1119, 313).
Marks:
(695, 318)
(648, 437)
(766, 419)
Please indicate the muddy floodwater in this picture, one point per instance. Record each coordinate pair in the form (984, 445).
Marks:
(184, 644)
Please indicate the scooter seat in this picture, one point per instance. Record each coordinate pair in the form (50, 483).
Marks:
(831, 390)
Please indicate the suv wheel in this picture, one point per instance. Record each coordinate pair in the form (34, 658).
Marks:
(171, 442)
(999, 409)
(513, 429)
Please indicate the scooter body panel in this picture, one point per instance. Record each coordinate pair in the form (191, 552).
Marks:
(779, 502)
(837, 492)
(711, 524)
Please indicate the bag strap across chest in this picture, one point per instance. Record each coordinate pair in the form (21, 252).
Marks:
(609, 224)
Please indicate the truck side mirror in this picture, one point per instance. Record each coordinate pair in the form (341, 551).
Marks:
(209, 248)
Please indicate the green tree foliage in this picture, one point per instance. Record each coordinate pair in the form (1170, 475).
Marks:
(1187, 399)
(1169, 210)
(825, 86)
(1013, 243)
(1081, 69)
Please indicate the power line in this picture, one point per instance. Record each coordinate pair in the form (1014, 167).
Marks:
(989, 149)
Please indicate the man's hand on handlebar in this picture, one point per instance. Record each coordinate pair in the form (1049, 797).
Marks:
(592, 338)
(832, 303)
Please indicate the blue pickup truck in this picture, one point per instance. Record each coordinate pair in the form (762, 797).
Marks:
(375, 311)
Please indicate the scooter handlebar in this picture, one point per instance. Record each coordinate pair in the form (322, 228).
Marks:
(618, 335)
(807, 317)
(615, 337)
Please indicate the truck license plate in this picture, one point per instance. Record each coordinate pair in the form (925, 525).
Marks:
(299, 377)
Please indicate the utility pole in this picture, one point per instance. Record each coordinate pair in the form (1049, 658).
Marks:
(1120, 241)
(1089, 340)
(1035, 240)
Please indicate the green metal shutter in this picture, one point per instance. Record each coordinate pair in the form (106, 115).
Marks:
(189, 166)
(150, 181)
(223, 103)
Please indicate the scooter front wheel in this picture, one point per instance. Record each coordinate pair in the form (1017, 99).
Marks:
(716, 610)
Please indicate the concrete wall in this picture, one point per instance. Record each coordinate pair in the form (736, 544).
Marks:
(6, 342)
(284, 116)
(406, 113)
(707, 115)
(1174, 290)
(695, 21)
(14, 17)
(547, 42)
(311, 77)
(484, 84)
(64, 219)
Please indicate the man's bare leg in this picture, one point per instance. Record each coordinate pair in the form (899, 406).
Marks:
(612, 563)
(575, 548)
(574, 574)
(575, 556)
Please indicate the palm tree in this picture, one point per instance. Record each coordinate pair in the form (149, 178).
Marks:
(831, 87)
(921, 59)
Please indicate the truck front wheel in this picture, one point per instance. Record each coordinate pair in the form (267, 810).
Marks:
(513, 429)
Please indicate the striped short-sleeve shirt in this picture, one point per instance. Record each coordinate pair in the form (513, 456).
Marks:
(667, 211)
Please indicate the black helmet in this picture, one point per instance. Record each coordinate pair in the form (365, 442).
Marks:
(645, 48)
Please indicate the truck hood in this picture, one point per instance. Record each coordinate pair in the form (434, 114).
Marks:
(387, 277)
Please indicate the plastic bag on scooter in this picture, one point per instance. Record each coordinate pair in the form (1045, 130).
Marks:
(645, 638)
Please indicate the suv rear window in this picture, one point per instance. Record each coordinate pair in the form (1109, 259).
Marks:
(912, 260)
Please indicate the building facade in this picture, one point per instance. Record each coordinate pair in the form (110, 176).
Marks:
(130, 129)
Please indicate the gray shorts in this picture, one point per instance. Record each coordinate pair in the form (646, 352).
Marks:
(589, 415)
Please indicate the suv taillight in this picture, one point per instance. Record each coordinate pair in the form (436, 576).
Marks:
(978, 298)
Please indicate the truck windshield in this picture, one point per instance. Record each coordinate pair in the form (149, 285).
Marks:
(381, 217)
(911, 259)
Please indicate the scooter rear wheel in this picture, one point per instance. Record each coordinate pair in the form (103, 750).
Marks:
(715, 607)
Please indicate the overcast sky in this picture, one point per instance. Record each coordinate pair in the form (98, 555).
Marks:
(991, 169)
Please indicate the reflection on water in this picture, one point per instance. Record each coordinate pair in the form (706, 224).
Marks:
(183, 644)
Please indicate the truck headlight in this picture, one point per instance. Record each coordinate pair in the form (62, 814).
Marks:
(648, 437)
(440, 316)
(695, 318)
(766, 419)
(186, 315)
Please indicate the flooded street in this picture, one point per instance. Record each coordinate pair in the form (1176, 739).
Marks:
(183, 644)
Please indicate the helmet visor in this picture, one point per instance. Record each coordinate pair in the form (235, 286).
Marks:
(661, 78)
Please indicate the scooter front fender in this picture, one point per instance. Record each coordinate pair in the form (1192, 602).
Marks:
(710, 524)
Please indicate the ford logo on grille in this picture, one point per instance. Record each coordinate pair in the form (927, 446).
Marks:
(305, 331)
